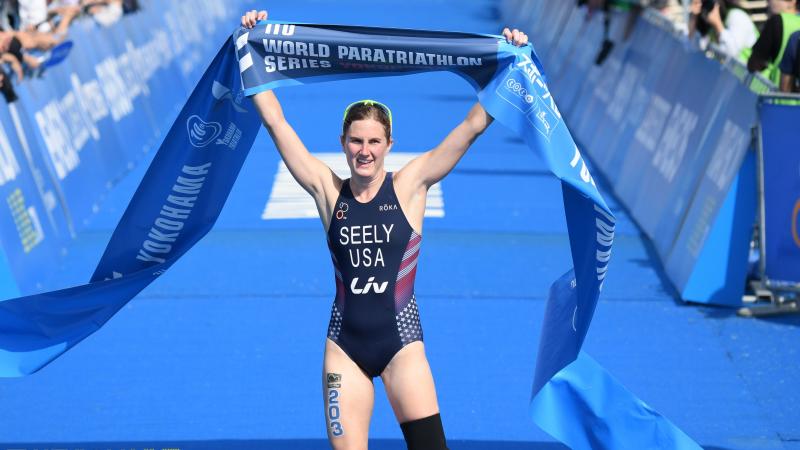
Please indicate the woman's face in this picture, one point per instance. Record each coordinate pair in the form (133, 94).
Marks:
(365, 146)
(780, 6)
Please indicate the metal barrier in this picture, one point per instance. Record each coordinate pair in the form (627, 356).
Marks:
(778, 171)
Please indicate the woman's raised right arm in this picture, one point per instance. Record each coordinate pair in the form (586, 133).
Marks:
(311, 173)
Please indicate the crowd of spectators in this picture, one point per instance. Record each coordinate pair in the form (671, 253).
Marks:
(30, 30)
(773, 50)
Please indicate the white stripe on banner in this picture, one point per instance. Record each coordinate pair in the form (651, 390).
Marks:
(288, 200)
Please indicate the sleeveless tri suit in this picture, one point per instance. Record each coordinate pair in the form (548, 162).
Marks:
(374, 251)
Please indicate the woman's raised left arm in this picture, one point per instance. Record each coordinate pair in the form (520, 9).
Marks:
(435, 164)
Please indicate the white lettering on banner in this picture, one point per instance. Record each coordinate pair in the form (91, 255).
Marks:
(9, 167)
(67, 124)
(650, 129)
(732, 144)
(114, 88)
(282, 63)
(297, 48)
(605, 224)
(124, 78)
(674, 141)
(279, 29)
(624, 91)
(231, 137)
(56, 138)
(174, 212)
(535, 76)
(176, 36)
(71, 111)
(584, 171)
(403, 57)
(90, 103)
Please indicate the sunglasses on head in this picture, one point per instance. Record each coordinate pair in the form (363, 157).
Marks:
(370, 103)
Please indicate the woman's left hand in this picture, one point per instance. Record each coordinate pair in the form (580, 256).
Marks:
(515, 36)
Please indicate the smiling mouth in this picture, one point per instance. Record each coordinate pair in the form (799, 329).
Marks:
(363, 161)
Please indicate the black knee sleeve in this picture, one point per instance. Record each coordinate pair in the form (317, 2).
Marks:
(425, 434)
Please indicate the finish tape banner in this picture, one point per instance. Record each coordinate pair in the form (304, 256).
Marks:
(779, 135)
(190, 178)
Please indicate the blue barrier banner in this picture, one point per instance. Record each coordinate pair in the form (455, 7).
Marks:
(78, 129)
(176, 204)
(707, 106)
(658, 87)
(676, 155)
(726, 153)
(30, 237)
(781, 162)
(655, 123)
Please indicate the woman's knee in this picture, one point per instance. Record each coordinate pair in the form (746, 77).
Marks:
(425, 434)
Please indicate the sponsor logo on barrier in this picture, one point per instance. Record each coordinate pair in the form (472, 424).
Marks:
(674, 142)
(26, 220)
(202, 133)
(9, 167)
(795, 231)
(623, 93)
(732, 142)
(56, 136)
(652, 125)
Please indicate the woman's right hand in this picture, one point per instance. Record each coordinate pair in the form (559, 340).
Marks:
(250, 18)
